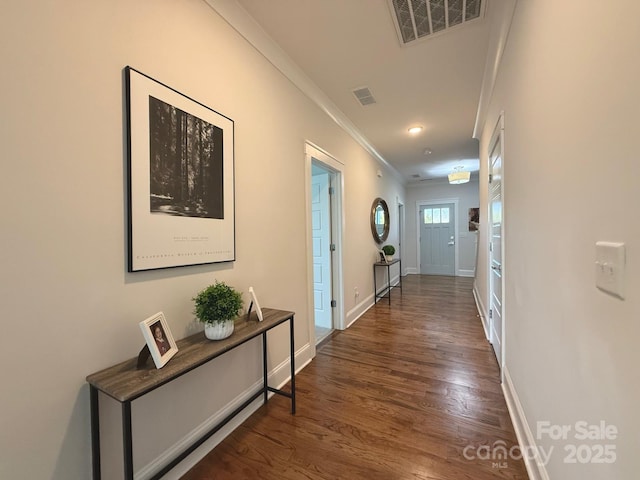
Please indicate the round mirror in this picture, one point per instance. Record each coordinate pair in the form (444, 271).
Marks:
(379, 220)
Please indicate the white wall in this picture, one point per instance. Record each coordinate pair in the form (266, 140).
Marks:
(568, 85)
(360, 197)
(68, 306)
(467, 196)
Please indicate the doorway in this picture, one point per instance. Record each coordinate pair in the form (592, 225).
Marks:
(399, 251)
(496, 244)
(437, 237)
(324, 247)
(321, 190)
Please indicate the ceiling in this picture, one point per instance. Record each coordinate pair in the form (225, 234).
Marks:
(434, 82)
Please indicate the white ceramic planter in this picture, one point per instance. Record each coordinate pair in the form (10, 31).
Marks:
(218, 330)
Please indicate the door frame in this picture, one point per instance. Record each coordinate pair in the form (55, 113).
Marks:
(401, 229)
(438, 201)
(497, 136)
(314, 154)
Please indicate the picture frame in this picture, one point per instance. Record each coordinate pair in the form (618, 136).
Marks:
(181, 192)
(383, 256)
(159, 339)
(474, 219)
(255, 304)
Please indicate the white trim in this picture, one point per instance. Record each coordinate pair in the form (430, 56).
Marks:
(535, 466)
(482, 311)
(360, 309)
(492, 64)
(466, 273)
(240, 20)
(422, 203)
(498, 136)
(401, 228)
(311, 149)
(279, 376)
(411, 271)
(392, 281)
(315, 154)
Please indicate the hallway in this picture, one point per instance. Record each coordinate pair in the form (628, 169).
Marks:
(408, 392)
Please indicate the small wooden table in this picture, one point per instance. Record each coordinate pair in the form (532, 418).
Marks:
(125, 382)
(386, 290)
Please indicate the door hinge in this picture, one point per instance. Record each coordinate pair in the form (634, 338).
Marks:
(490, 177)
(490, 313)
(332, 247)
(331, 191)
(334, 304)
(491, 246)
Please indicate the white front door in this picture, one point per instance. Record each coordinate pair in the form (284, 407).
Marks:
(495, 247)
(321, 238)
(437, 239)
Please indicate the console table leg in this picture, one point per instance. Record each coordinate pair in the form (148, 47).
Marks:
(293, 366)
(127, 443)
(389, 281)
(375, 287)
(95, 433)
(265, 383)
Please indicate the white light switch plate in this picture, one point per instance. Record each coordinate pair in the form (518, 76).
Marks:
(610, 266)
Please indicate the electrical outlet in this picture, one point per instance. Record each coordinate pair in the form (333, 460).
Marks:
(356, 292)
(610, 267)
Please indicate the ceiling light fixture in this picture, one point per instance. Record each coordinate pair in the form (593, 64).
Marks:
(458, 176)
(427, 151)
(416, 129)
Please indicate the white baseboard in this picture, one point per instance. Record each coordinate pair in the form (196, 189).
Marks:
(484, 314)
(411, 271)
(279, 376)
(533, 463)
(356, 312)
(466, 273)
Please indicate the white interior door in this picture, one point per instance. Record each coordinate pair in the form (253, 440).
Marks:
(437, 239)
(321, 238)
(496, 326)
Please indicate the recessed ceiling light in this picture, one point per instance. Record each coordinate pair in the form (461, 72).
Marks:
(416, 129)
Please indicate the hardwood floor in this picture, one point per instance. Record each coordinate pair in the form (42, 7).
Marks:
(402, 394)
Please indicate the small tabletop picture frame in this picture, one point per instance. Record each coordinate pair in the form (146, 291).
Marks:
(382, 256)
(159, 339)
(255, 304)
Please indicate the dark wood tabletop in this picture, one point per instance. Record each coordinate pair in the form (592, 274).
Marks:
(384, 264)
(125, 382)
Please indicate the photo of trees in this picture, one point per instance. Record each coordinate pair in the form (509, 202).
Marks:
(186, 163)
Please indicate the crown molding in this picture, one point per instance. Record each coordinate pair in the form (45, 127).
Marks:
(240, 20)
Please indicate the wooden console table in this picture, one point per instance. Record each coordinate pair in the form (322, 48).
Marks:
(125, 382)
(386, 290)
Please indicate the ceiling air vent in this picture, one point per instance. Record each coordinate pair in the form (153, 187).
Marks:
(416, 19)
(364, 96)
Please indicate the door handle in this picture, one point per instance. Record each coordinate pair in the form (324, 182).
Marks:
(497, 268)
(451, 243)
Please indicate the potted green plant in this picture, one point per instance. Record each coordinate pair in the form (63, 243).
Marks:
(389, 251)
(217, 306)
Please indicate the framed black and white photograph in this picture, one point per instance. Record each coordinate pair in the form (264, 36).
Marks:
(255, 304)
(161, 344)
(181, 178)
